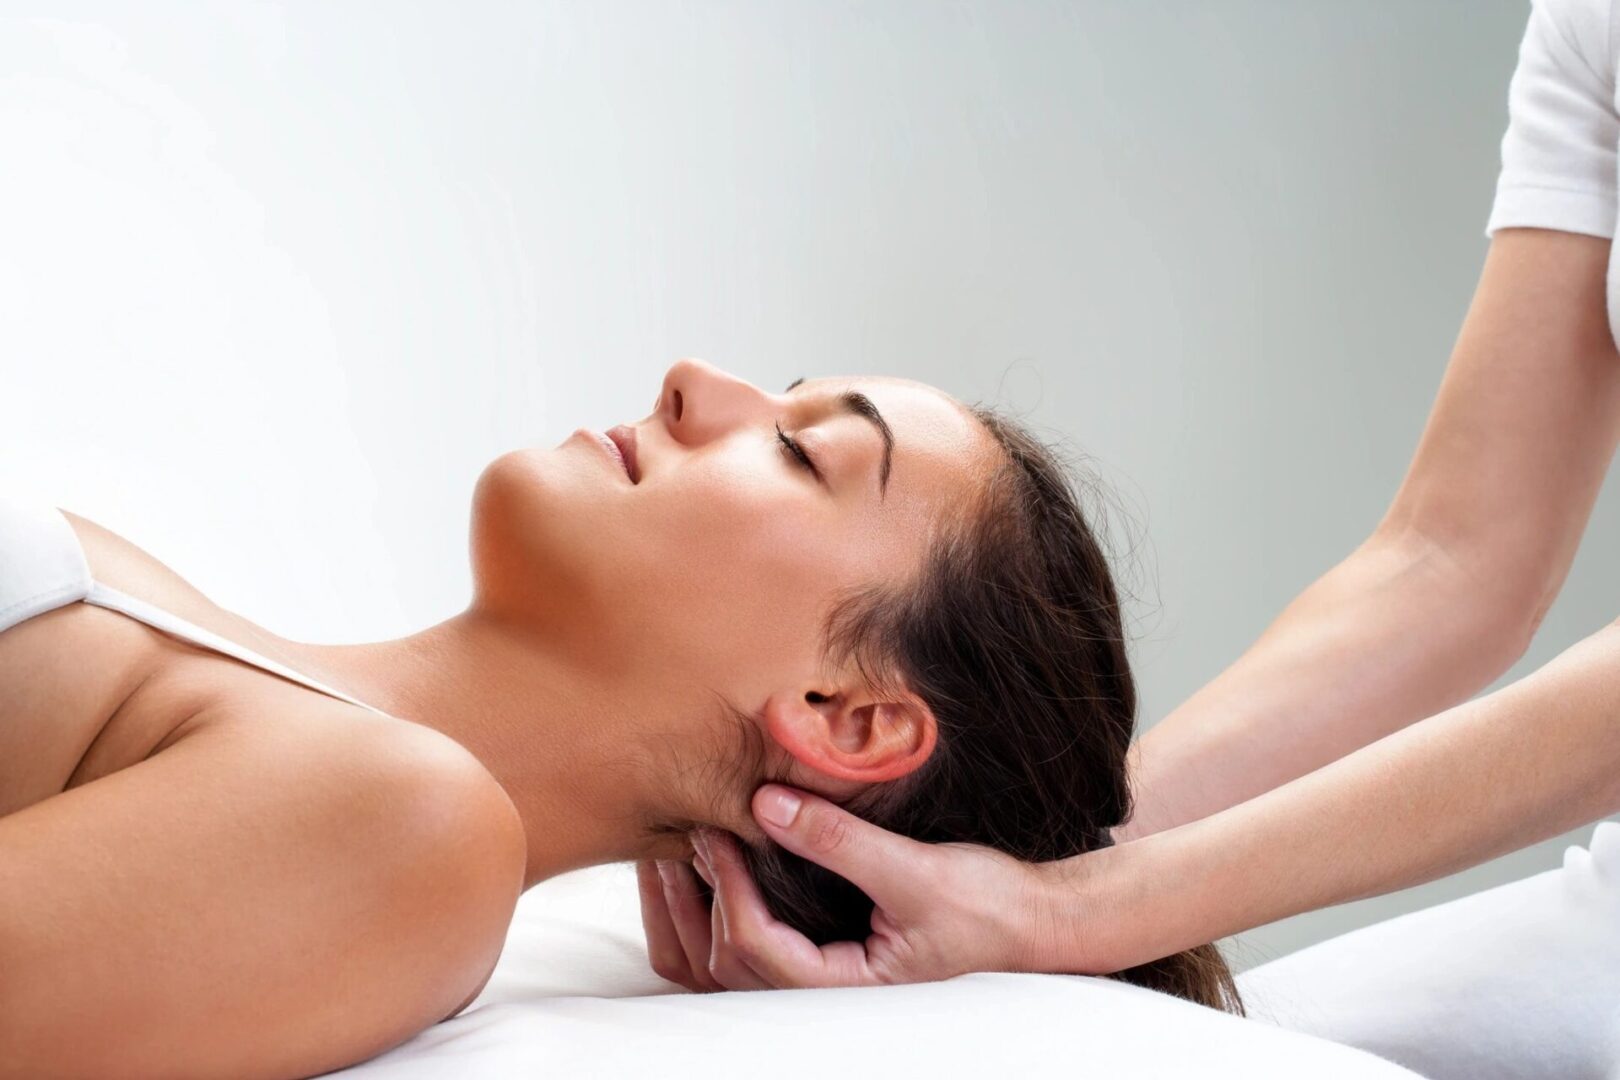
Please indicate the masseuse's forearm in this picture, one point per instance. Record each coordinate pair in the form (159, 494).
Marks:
(1486, 777)
(1397, 631)
(1475, 545)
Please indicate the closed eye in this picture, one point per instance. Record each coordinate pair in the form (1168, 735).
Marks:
(794, 450)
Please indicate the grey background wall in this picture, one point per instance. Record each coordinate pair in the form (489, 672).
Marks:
(276, 282)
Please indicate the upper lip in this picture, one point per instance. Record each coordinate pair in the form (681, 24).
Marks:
(624, 437)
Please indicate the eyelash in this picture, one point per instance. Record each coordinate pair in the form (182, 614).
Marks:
(793, 449)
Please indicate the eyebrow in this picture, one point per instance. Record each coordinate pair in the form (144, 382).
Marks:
(858, 404)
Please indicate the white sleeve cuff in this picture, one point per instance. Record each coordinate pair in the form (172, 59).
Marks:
(1559, 152)
(1529, 206)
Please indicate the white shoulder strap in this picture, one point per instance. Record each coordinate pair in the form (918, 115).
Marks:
(43, 566)
(152, 615)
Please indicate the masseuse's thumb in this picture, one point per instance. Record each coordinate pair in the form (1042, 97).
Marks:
(875, 860)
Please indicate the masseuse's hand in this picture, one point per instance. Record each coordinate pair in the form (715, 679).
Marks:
(941, 909)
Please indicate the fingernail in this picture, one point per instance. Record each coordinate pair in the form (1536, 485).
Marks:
(700, 843)
(779, 806)
(701, 865)
(666, 873)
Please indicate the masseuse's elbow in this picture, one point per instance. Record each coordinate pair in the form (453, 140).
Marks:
(1523, 586)
(1488, 598)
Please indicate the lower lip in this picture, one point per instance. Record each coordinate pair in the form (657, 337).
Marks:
(608, 448)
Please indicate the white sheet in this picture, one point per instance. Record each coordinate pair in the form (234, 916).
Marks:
(1517, 982)
(573, 996)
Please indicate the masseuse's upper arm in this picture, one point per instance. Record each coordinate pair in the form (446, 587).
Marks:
(251, 901)
(1526, 419)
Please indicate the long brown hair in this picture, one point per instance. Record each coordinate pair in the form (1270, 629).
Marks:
(1012, 634)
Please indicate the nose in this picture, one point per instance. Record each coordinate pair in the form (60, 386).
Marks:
(699, 402)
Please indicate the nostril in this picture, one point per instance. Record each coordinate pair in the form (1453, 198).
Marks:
(677, 404)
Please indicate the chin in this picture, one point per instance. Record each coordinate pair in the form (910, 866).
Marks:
(516, 552)
(543, 535)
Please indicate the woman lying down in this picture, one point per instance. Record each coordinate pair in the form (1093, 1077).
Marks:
(228, 852)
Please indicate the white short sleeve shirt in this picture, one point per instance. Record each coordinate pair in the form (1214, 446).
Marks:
(1559, 154)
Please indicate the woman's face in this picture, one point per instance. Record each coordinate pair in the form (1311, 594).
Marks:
(716, 567)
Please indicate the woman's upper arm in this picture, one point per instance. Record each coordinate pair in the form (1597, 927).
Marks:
(1525, 422)
(246, 903)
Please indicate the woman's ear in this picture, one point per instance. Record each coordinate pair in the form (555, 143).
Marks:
(863, 737)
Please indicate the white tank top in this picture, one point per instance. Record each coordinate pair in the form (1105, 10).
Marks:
(43, 567)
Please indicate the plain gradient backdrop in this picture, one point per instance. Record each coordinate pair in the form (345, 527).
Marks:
(276, 281)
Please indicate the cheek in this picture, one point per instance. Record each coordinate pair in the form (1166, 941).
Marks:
(734, 511)
(741, 561)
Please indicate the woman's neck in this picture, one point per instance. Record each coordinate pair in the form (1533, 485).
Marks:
(575, 750)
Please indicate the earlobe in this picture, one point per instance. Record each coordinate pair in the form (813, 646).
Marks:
(843, 737)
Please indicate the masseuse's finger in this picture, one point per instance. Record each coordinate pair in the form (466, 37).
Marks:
(725, 965)
(690, 914)
(663, 943)
(772, 950)
(885, 866)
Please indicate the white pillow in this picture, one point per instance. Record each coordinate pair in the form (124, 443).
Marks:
(573, 996)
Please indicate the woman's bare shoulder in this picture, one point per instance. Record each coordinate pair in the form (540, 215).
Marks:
(256, 899)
